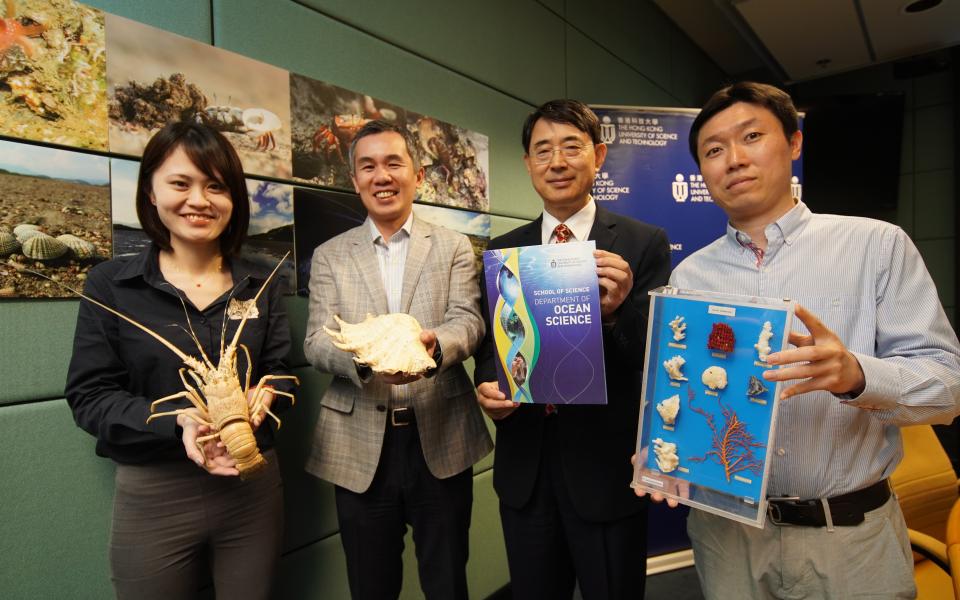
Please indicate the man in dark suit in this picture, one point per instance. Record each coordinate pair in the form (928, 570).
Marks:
(563, 473)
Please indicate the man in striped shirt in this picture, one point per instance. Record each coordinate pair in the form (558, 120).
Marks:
(876, 353)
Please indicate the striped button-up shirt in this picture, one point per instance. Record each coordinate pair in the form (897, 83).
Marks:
(866, 281)
(392, 256)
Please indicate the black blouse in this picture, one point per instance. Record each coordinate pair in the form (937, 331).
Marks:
(117, 370)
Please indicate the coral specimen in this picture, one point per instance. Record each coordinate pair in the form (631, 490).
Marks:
(756, 387)
(732, 444)
(721, 338)
(673, 366)
(668, 409)
(667, 459)
(763, 344)
(679, 328)
(714, 378)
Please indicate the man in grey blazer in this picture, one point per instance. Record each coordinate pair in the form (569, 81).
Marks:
(399, 448)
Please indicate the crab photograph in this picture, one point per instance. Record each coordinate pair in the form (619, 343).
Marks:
(155, 77)
(54, 219)
(53, 73)
(325, 119)
(456, 164)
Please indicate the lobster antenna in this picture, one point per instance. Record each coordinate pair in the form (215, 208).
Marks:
(223, 326)
(191, 332)
(143, 328)
(236, 336)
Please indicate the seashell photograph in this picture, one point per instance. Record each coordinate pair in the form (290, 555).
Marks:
(54, 218)
(53, 73)
(155, 77)
(269, 236)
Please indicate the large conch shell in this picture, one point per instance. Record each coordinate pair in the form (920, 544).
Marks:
(387, 343)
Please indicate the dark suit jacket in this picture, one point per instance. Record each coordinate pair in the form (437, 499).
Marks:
(595, 442)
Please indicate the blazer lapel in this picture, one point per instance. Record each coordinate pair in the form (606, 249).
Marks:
(531, 235)
(369, 268)
(417, 254)
(603, 231)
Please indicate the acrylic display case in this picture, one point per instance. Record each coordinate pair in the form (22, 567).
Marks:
(708, 416)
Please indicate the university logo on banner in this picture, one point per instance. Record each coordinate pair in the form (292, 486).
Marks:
(608, 131)
(680, 189)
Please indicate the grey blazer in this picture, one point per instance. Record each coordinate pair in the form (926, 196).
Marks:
(439, 289)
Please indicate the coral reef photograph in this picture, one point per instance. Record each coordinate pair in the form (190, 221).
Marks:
(53, 73)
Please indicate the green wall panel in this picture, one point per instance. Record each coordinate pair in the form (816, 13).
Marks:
(487, 567)
(473, 38)
(555, 6)
(937, 219)
(905, 203)
(55, 506)
(301, 40)
(937, 88)
(501, 225)
(37, 341)
(308, 501)
(314, 572)
(694, 77)
(906, 144)
(616, 82)
(189, 18)
(940, 258)
(933, 137)
(297, 317)
(635, 32)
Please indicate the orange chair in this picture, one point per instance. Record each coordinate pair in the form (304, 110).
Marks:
(926, 486)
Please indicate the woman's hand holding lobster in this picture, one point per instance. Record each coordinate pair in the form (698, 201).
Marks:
(214, 457)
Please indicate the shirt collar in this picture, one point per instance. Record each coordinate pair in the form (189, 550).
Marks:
(580, 223)
(788, 227)
(407, 227)
(146, 266)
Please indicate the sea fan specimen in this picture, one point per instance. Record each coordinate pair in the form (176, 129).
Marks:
(732, 444)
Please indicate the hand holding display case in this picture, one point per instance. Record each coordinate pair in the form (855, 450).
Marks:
(708, 417)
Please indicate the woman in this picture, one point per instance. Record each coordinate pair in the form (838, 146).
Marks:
(176, 509)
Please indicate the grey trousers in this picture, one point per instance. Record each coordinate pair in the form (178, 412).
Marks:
(173, 522)
(870, 560)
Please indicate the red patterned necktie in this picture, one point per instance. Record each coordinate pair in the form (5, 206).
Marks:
(561, 235)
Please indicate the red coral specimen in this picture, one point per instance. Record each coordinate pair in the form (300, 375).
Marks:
(721, 338)
(732, 444)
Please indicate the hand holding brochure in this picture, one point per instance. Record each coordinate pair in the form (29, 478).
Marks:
(544, 305)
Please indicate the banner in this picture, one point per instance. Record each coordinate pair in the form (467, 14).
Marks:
(649, 175)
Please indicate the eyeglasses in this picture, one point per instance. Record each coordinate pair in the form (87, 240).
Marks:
(569, 151)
